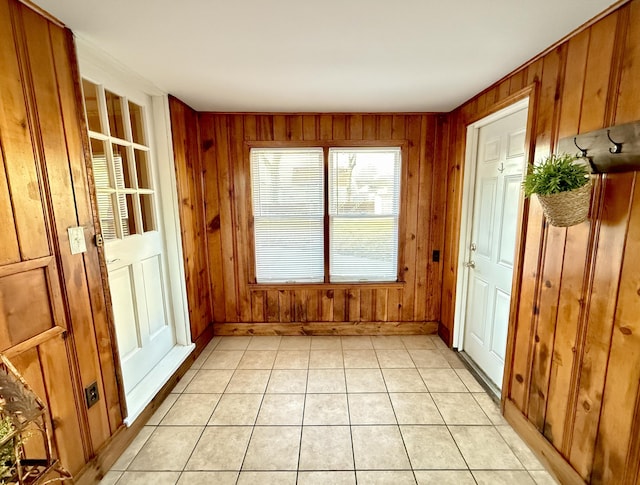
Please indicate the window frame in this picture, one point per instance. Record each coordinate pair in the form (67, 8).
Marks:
(326, 145)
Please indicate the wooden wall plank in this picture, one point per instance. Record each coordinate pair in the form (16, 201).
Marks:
(242, 209)
(209, 153)
(326, 306)
(606, 278)
(17, 149)
(56, 374)
(574, 263)
(629, 95)
(9, 250)
(598, 70)
(408, 239)
(189, 177)
(622, 385)
(424, 215)
(551, 269)
(225, 191)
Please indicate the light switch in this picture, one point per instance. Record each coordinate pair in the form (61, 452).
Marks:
(76, 240)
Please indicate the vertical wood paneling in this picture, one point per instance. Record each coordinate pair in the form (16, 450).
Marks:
(212, 217)
(63, 204)
(408, 239)
(189, 176)
(576, 245)
(43, 174)
(551, 266)
(573, 372)
(66, 69)
(225, 169)
(606, 279)
(17, 150)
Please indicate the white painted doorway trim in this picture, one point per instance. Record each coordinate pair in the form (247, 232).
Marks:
(93, 62)
(466, 218)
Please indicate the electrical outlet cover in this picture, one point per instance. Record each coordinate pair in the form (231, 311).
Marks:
(76, 240)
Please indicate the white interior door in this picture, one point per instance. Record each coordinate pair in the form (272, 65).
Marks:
(499, 166)
(125, 175)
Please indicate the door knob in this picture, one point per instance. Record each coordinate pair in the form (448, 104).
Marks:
(470, 264)
(473, 246)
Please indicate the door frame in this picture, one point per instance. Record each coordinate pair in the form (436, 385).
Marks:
(523, 99)
(95, 64)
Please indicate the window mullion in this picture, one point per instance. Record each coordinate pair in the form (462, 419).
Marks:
(325, 151)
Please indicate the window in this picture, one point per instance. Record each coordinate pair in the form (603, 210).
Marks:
(120, 158)
(353, 214)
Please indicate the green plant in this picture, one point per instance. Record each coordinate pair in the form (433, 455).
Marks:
(7, 456)
(556, 173)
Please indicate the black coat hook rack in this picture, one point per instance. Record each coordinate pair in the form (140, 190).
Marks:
(612, 149)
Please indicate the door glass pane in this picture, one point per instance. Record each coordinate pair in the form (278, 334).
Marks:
(100, 167)
(142, 169)
(114, 112)
(105, 212)
(137, 127)
(146, 204)
(122, 167)
(90, 91)
(127, 205)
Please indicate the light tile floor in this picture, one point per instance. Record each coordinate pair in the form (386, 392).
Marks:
(328, 410)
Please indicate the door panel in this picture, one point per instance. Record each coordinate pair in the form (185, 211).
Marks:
(478, 308)
(124, 313)
(501, 324)
(154, 291)
(511, 197)
(498, 176)
(486, 209)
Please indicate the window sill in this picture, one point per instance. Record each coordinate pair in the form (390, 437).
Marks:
(326, 286)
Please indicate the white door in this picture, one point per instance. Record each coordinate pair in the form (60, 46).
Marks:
(127, 190)
(499, 166)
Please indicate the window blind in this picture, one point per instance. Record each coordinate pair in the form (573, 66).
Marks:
(364, 205)
(287, 187)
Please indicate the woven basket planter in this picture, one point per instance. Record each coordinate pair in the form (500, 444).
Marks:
(566, 209)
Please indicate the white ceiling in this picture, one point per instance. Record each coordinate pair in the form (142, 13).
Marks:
(323, 55)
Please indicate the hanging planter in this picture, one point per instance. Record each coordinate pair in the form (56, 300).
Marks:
(563, 188)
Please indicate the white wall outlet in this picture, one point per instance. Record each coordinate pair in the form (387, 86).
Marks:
(76, 240)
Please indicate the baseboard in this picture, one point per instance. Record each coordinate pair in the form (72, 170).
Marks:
(444, 333)
(109, 453)
(326, 328)
(548, 455)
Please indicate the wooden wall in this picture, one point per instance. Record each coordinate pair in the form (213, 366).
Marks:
(573, 371)
(53, 317)
(410, 306)
(189, 177)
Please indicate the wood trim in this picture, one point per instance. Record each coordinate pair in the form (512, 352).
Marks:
(326, 286)
(444, 334)
(23, 266)
(548, 455)
(327, 328)
(326, 143)
(521, 237)
(34, 341)
(40, 11)
(104, 296)
(527, 91)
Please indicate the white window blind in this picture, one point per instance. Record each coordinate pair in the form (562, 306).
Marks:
(287, 187)
(364, 205)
